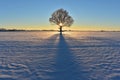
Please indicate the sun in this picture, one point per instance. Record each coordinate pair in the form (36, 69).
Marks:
(60, 24)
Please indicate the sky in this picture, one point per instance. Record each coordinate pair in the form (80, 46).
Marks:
(35, 14)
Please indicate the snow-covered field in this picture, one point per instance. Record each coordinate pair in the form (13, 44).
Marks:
(51, 56)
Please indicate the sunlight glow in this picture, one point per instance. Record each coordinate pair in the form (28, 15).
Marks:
(60, 24)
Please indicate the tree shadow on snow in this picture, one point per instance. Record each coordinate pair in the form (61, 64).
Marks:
(66, 67)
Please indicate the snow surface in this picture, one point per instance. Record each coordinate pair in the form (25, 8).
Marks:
(51, 56)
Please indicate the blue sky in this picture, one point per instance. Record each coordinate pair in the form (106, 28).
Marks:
(88, 14)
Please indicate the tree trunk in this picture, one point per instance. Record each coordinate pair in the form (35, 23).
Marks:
(60, 29)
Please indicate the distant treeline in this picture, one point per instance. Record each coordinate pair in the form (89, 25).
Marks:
(17, 30)
(3, 29)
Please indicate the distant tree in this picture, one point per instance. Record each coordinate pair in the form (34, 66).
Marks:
(61, 18)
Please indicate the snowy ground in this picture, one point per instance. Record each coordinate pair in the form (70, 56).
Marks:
(50, 56)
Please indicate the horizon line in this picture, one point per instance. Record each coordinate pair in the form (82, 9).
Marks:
(4, 29)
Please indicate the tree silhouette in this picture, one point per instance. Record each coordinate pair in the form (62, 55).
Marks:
(61, 18)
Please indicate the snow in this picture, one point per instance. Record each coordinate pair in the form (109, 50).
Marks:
(51, 56)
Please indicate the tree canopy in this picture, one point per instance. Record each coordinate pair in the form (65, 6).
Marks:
(61, 18)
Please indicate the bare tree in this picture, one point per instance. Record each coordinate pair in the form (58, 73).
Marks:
(61, 18)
